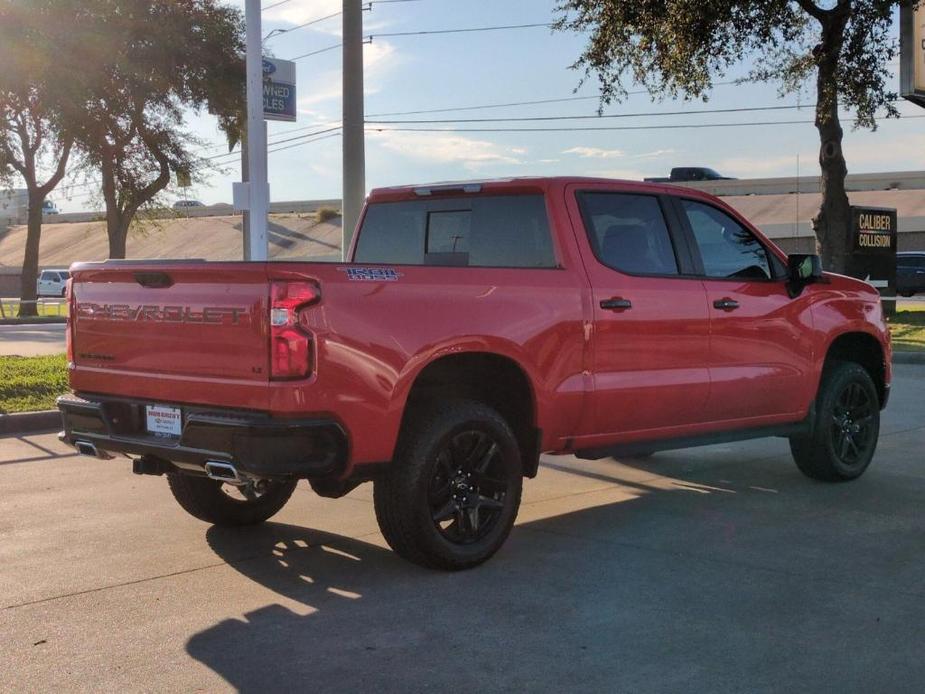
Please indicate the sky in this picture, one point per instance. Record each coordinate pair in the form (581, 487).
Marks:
(474, 69)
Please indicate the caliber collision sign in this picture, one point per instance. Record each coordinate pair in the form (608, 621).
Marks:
(874, 229)
(874, 257)
(279, 92)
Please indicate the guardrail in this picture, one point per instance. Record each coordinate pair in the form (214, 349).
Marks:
(47, 307)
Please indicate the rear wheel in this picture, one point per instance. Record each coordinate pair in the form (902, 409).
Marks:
(452, 495)
(223, 504)
(846, 427)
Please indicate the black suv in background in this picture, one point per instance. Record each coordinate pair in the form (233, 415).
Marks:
(910, 273)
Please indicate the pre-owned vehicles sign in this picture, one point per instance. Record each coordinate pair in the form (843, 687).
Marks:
(279, 90)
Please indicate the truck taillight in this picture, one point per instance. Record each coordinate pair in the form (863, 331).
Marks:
(290, 346)
(69, 328)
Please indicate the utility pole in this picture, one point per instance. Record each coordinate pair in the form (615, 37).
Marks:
(246, 214)
(354, 184)
(256, 241)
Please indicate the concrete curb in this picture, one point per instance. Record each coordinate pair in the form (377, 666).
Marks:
(909, 357)
(33, 321)
(29, 422)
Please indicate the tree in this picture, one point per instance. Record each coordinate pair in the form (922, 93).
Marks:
(31, 143)
(152, 62)
(679, 47)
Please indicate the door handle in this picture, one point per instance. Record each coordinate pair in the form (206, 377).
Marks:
(616, 304)
(726, 304)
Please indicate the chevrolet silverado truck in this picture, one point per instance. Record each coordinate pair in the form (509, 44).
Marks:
(475, 327)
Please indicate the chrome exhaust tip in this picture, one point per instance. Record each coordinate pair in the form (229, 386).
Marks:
(90, 449)
(223, 472)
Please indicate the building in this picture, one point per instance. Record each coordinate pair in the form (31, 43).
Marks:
(14, 206)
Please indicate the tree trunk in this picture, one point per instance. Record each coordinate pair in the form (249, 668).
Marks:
(30, 266)
(117, 225)
(832, 222)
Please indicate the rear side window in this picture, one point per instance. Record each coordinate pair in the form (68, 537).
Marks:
(502, 231)
(728, 250)
(629, 233)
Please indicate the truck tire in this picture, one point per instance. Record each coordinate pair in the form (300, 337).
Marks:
(846, 427)
(452, 495)
(205, 499)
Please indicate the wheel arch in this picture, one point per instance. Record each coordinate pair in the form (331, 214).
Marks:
(864, 349)
(498, 380)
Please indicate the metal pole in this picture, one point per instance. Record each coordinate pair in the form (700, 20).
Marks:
(354, 184)
(256, 136)
(246, 214)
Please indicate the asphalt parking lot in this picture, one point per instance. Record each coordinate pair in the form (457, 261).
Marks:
(713, 569)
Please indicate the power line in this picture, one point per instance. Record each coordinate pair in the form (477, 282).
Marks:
(320, 50)
(611, 115)
(275, 4)
(431, 32)
(279, 32)
(679, 126)
(307, 142)
(514, 103)
(277, 142)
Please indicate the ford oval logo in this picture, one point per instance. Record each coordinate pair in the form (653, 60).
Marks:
(268, 67)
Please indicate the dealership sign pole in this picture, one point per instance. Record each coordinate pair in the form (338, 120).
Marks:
(912, 52)
(256, 192)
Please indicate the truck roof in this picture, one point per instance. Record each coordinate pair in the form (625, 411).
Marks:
(520, 184)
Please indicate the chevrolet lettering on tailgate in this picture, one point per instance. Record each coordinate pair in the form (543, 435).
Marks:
(215, 315)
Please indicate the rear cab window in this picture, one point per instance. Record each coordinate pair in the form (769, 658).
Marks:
(504, 231)
(628, 232)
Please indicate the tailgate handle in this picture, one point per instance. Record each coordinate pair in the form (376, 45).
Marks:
(153, 280)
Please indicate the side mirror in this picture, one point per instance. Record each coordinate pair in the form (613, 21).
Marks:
(802, 269)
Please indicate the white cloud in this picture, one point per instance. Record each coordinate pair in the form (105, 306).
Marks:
(654, 154)
(595, 152)
(449, 149)
(378, 59)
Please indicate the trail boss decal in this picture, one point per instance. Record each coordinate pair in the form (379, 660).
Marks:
(149, 313)
(371, 274)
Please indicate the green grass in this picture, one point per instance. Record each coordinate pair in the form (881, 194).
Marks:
(47, 308)
(31, 383)
(908, 327)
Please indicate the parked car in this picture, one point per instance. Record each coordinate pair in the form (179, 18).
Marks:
(910, 273)
(49, 208)
(690, 173)
(187, 204)
(52, 282)
(475, 327)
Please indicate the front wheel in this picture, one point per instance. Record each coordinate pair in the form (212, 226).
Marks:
(223, 504)
(846, 426)
(452, 495)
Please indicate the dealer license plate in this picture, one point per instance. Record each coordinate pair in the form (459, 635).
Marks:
(164, 421)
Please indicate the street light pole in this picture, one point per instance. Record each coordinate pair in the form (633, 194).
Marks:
(256, 242)
(354, 172)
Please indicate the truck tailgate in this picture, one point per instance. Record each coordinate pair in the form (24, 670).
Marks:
(196, 320)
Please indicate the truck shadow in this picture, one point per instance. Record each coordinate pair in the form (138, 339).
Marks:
(630, 588)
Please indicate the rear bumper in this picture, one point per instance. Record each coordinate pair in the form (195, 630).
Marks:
(253, 442)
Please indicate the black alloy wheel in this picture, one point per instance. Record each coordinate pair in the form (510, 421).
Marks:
(852, 422)
(468, 488)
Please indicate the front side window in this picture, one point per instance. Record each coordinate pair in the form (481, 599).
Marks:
(728, 250)
(491, 231)
(629, 233)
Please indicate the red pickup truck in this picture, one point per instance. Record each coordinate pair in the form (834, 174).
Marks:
(475, 327)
